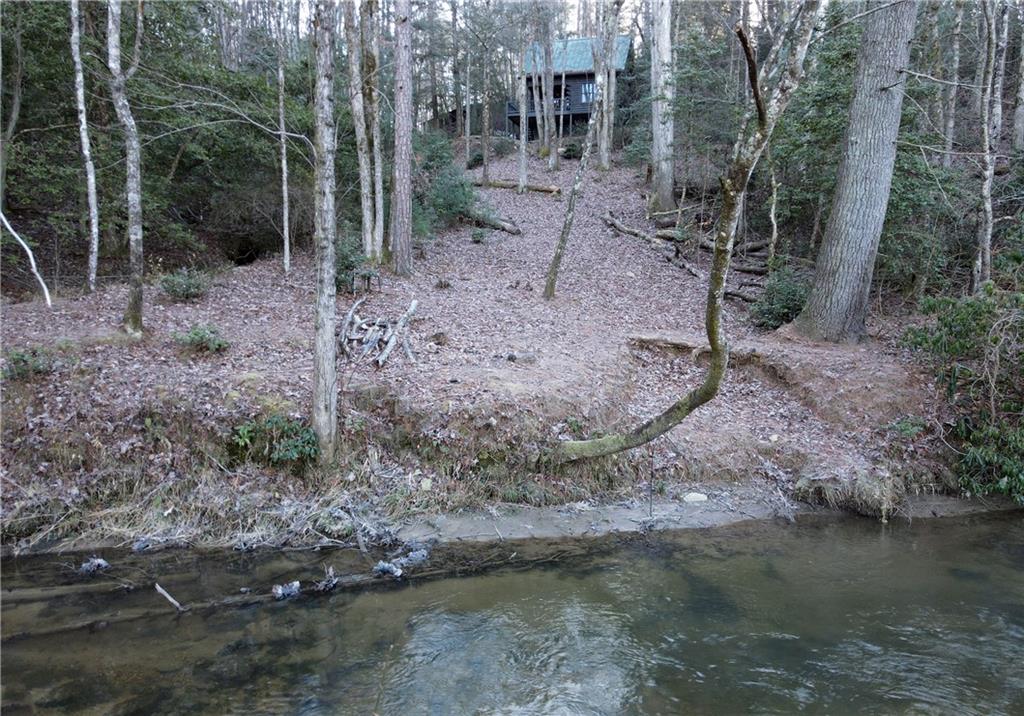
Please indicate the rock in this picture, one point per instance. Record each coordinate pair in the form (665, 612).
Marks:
(692, 497)
(93, 565)
(391, 568)
(414, 558)
(285, 591)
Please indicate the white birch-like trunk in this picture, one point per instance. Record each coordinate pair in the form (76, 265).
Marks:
(355, 83)
(999, 76)
(981, 270)
(325, 369)
(132, 322)
(83, 133)
(662, 99)
(951, 90)
(1018, 112)
(283, 139)
(524, 121)
(401, 185)
(468, 123)
(370, 33)
(485, 121)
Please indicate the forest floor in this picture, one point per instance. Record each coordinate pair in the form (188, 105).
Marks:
(125, 440)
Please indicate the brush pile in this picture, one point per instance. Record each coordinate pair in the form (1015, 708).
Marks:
(374, 338)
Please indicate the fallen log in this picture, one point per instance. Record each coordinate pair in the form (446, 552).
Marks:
(507, 184)
(672, 235)
(400, 328)
(492, 222)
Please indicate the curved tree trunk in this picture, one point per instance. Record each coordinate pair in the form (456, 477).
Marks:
(83, 132)
(838, 303)
(132, 322)
(283, 139)
(401, 187)
(751, 142)
(355, 82)
(662, 98)
(325, 371)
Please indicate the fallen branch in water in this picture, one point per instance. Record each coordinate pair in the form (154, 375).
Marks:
(166, 595)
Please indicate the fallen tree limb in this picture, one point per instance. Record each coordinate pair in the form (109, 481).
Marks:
(31, 259)
(506, 184)
(492, 222)
(400, 328)
(671, 235)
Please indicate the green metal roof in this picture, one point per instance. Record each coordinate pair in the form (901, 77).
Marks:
(575, 55)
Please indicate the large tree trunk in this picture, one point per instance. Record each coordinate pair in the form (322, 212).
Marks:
(456, 80)
(363, 156)
(83, 133)
(283, 140)
(951, 89)
(524, 120)
(750, 144)
(838, 303)
(662, 99)
(538, 105)
(325, 370)
(609, 112)
(588, 142)
(370, 29)
(981, 270)
(133, 163)
(401, 192)
(1018, 112)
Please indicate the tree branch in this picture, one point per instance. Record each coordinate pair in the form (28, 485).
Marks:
(748, 52)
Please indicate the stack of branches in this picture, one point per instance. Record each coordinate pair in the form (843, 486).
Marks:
(374, 338)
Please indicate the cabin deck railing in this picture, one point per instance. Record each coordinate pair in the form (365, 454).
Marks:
(512, 109)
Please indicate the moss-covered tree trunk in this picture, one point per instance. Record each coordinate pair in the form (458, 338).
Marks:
(750, 144)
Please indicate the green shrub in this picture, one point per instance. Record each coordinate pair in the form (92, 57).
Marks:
(23, 364)
(573, 150)
(441, 191)
(185, 284)
(478, 235)
(476, 159)
(275, 440)
(202, 338)
(977, 345)
(349, 259)
(502, 146)
(785, 293)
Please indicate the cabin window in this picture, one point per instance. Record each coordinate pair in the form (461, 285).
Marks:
(588, 92)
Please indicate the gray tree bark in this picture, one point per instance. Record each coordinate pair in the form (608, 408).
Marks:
(1018, 112)
(325, 370)
(13, 110)
(951, 89)
(549, 90)
(662, 99)
(401, 192)
(83, 133)
(363, 156)
(838, 302)
(456, 87)
(283, 141)
(132, 321)
(999, 76)
(981, 270)
(370, 29)
(524, 123)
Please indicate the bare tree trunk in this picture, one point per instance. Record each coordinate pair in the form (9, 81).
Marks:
(981, 271)
(370, 29)
(83, 132)
(524, 120)
(401, 191)
(456, 80)
(325, 370)
(999, 76)
(951, 89)
(355, 81)
(133, 163)
(283, 140)
(1018, 112)
(485, 119)
(595, 113)
(609, 125)
(837, 306)
(662, 99)
(13, 111)
(750, 144)
(469, 115)
(549, 90)
(561, 108)
(538, 105)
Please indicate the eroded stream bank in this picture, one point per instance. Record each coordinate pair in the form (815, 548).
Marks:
(821, 614)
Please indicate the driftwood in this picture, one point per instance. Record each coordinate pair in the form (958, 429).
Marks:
(359, 338)
(507, 184)
(492, 222)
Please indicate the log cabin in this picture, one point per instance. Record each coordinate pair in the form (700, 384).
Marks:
(574, 58)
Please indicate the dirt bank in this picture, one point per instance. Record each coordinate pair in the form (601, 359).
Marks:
(125, 441)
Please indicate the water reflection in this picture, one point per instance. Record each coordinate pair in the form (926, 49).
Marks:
(825, 617)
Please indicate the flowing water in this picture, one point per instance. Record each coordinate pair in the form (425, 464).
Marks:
(825, 616)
